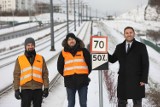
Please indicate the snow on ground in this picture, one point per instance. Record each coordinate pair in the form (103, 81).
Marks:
(58, 95)
(135, 14)
(15, 18)
(45, 18)
(36, 35)
(139, 27)
(17, 28)
(58, 17)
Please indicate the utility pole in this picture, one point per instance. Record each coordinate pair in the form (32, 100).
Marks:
(74, 16)
(67, 16)
(70, 7)
(81, 11)
(13, 22)
(0, 15)
(115, 14)
(52, 26)
(90, 14)
(96, 14)
(78, 14)
(29, 10)
(86, 12)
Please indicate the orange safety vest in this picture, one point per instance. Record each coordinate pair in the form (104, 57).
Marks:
(29, 72)
(74, 64)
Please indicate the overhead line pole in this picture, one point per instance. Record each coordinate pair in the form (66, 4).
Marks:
(52, 26)
(67, 16)
(74, 16)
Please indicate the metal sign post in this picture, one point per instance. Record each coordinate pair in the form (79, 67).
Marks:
(100, 89)
(99, 48)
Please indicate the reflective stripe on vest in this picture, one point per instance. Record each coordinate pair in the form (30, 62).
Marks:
(74, 65)
(29, 72)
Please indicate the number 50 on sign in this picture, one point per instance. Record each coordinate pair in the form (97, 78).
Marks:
(99, 44)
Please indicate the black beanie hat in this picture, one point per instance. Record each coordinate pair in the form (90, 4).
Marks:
(29, 40)
(71, 35)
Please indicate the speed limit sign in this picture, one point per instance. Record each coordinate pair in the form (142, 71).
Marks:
(99, 44)
(99, 48)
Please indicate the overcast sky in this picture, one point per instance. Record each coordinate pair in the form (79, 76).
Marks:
(111, 7)
(115, 6)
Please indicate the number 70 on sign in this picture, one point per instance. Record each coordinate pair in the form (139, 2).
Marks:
(99, 44)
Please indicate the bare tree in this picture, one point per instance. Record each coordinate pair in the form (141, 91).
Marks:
(154, 2)
(156, 5)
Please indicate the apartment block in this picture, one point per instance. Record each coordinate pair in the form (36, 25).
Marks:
(11, 5)
(7, 5)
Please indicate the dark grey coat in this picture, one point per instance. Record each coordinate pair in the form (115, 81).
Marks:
(134, 67)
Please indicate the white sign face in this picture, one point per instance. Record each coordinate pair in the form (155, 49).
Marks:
(99, 48)
(99, 45)
(99, 61)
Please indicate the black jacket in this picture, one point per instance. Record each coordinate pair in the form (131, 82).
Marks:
(77, 80)
(133, 69)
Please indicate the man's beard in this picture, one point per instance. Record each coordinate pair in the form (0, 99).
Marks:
(31, 52)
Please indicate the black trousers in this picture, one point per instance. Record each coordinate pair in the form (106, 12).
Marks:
(28, 96)
(136, 103)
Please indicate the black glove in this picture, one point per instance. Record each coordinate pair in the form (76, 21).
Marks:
(17, 94)
(45, 92)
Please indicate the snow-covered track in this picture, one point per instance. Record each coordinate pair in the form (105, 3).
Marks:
(26, 31)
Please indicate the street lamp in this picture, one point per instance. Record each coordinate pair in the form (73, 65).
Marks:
(52, 26)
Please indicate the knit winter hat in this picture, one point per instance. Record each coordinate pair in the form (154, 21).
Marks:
(71, 35)
(29, 40)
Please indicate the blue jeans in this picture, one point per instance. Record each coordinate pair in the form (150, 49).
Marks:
(82, 92)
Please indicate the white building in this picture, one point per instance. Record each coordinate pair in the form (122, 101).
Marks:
(25, 4)
(7, 5)
(11, 5)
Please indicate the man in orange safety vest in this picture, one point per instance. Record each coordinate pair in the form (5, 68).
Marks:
(31, 81)
(74, 64)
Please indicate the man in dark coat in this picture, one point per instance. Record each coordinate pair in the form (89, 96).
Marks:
(74, 64)
(133, 72)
